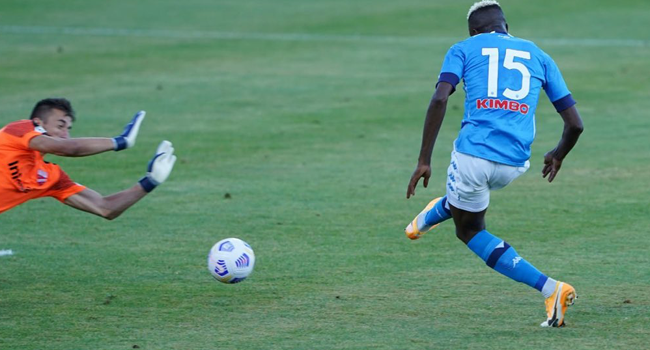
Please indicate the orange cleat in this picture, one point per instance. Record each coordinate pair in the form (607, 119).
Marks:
(417, 227)
(557, 304)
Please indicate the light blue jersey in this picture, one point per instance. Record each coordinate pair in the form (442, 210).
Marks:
(502, 78)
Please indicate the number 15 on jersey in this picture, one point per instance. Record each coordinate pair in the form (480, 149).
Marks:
(508, 63)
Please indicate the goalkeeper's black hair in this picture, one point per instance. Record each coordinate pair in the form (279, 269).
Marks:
(43, 107)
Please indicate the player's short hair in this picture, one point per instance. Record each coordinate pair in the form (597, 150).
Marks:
(481, 4)
(486, 16)
(42, 108)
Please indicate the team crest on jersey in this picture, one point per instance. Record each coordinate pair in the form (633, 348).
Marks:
(41, 176)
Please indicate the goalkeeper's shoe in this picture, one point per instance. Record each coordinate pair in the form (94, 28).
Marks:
(557, 304)
(418, 227)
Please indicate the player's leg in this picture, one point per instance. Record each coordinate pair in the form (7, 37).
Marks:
(500, 256)
(433, 214)
(469, 195)
(497, 253)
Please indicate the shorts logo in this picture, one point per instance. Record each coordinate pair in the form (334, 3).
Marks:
(41, 176)
(493, 103)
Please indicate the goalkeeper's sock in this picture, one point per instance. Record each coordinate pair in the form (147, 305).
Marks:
(439, 213)
(500, 256)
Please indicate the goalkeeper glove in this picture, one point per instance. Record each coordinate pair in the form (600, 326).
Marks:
(127, 138)
(160, 166)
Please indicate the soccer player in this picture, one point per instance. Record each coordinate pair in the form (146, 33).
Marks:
(25, 175)
(503, 76)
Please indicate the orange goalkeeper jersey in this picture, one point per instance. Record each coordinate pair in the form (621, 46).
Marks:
(24, 174)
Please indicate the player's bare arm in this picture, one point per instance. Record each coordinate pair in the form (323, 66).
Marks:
(56, 140)
(432, 124)
(112, 206)
(572, 129)
(109, 207)
(77, 147)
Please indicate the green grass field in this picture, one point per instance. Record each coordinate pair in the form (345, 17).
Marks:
(309, 115)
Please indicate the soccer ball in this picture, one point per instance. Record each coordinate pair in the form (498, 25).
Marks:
(231, 260)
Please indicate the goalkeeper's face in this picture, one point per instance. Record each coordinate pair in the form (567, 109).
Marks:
(56, 123)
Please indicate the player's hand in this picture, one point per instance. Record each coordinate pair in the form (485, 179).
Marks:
(130, 133)
(160, 166)
(422, 171)
(552, 166)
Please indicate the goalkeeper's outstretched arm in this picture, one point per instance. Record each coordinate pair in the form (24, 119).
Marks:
(112, 206)
(87, 146)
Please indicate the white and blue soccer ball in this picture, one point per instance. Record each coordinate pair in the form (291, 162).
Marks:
(231, 260)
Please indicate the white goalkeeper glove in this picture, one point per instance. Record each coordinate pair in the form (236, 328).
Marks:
(130, 133)
(160, 166)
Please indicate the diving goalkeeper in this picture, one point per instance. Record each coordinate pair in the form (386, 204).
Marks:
(25, 175)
